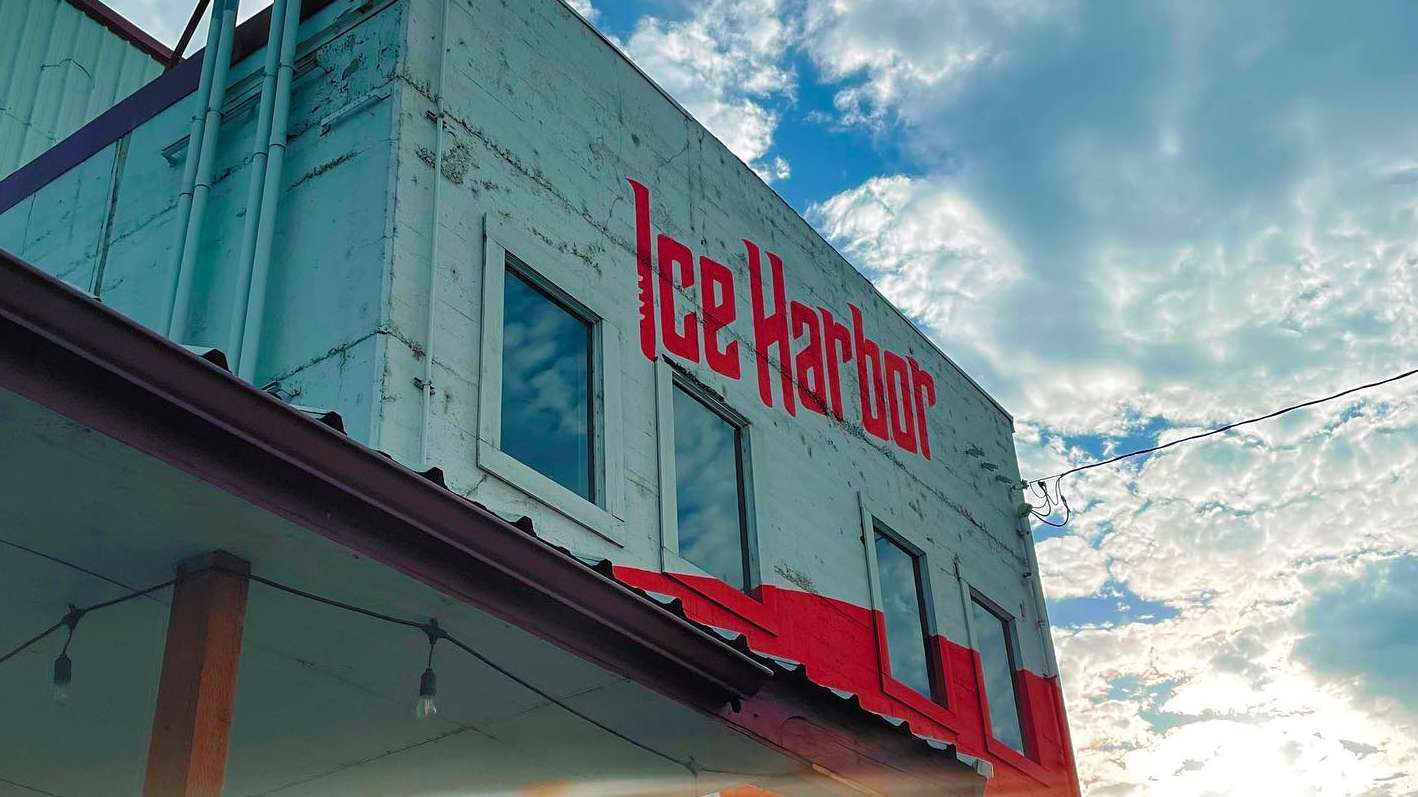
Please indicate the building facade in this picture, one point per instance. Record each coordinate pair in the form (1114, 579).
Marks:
(500, 251)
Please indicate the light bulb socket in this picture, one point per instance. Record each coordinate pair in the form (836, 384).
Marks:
(63, 670)
(428, 683)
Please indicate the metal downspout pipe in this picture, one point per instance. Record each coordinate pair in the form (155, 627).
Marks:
(255, 188)
(1026, 534)
(182, 277)
(270, 196)
(424, 429)
(194, 143)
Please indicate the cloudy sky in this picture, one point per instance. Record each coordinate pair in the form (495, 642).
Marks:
(1131, 221)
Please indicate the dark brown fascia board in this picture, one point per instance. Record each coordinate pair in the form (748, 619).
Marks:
(65, 351)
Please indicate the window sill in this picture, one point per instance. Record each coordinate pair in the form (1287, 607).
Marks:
(553, 495)
(1016, 759)
(921, 703)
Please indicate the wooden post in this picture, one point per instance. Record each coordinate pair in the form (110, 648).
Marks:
(187, 748)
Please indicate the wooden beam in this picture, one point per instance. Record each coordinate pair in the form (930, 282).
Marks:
(187, 748)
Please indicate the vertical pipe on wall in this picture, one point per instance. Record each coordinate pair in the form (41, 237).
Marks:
(182, 280)
(194, 142)
(424, 429)
(1045, 630)
(260, 150)
(270, 196)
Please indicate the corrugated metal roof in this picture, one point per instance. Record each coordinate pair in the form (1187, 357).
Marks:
(44, 319)
(59, 68)
(781, 667)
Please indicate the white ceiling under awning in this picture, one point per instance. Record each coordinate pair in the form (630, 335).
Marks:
(325, 697)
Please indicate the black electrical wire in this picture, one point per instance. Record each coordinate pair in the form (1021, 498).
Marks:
(310, 596)
(457, 643)
(31, 641)
(72, 618)
(436, 632)
(1041, 486)
(1228, 427)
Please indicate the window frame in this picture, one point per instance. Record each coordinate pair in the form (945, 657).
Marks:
(940, 703)
(669, 378)
(540, 266)
(1020, 758)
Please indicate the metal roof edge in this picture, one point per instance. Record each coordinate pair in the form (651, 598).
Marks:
(125, 28)
(83, 360)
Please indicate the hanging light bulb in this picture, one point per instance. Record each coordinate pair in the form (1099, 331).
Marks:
(63, 666)
(428, 682)
(63, 674)
(428, 690)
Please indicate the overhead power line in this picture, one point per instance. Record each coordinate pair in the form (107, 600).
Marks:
(1040, 487)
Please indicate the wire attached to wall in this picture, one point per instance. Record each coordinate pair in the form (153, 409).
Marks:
(1041, 487)
(425, 705)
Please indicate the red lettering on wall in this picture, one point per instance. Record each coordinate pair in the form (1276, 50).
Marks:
(716, 288)
(770, 329)
(684, 343)
(810, 344)
(870, 384)
(901, 407)
(923, 390)
(837, 342)
(812, 390)
(644, 276)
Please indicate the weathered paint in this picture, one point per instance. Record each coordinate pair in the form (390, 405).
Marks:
(59, 68)
(464, 133)
(324, 315)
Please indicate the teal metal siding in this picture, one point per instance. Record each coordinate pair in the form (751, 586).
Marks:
(59, 68)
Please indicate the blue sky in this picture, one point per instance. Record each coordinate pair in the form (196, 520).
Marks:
(1131, 221)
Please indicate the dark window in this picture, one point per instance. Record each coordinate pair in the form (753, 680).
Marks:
(903, 604)
(546, 386)
(709, 490)
(997, 661)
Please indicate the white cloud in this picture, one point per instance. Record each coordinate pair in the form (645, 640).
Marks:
(894, 55)
(1179, 233)
(1071, 568)
(585, 9)
(927, 248)
(725, 65)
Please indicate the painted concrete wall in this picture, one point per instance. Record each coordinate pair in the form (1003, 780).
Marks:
(106, 226)
(543, 123)
(407, 171)
(59, 68)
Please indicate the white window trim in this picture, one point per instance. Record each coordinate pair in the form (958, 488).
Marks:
(1015, 654)
(967, 597)
(670, 559)
(606, 515)
(870, 516)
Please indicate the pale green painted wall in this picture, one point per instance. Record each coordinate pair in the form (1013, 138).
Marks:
(58, 69)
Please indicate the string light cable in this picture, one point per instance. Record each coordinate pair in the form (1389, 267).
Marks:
(1041, 487)
(425, 706)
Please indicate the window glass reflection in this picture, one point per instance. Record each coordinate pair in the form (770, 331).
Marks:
(546, 376)
(997, 661)
(898, 573)
(709, 491)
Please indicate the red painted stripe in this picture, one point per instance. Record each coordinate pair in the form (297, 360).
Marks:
(842, 645)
